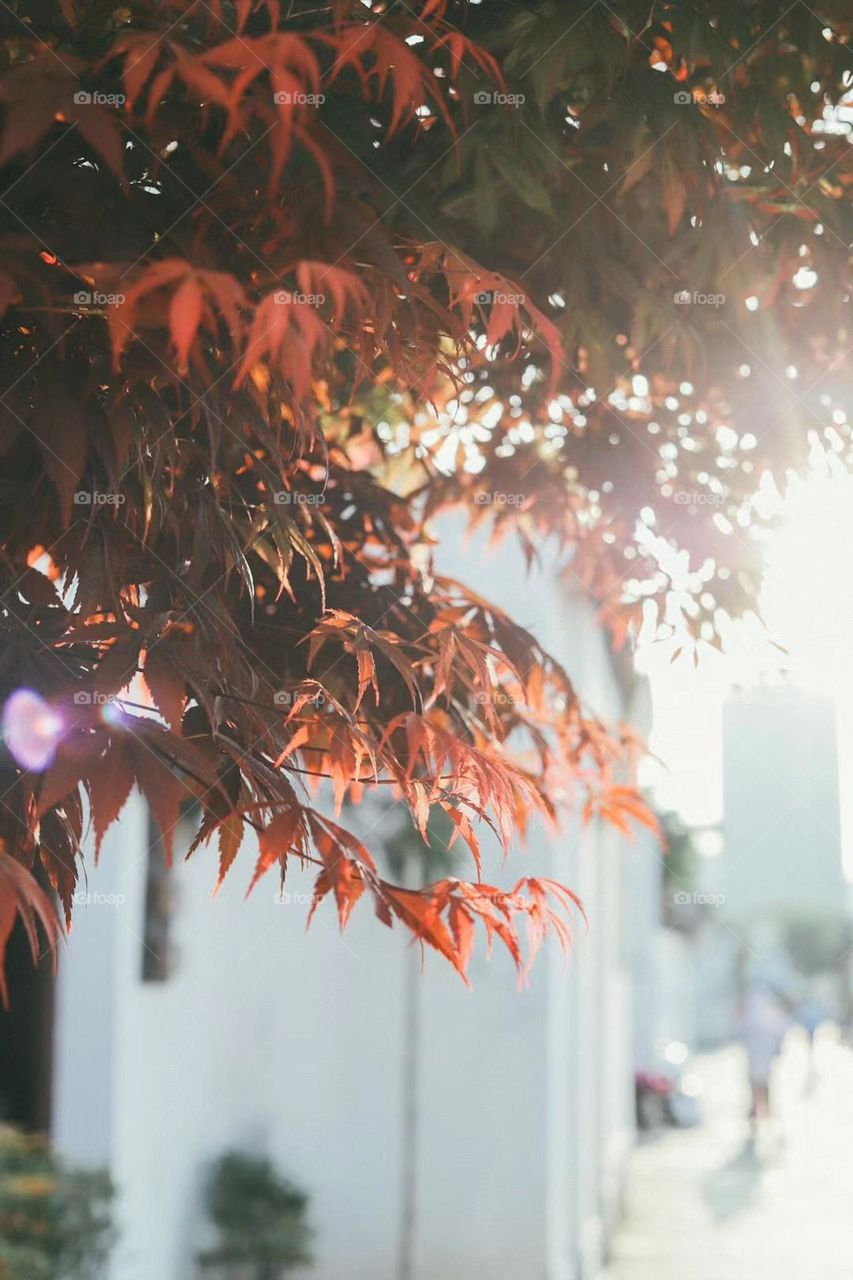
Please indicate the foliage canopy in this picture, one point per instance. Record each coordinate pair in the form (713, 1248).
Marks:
(281, 282)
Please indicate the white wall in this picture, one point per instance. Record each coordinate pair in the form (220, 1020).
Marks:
(295, 1045)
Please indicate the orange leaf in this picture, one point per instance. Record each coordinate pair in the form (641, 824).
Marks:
(161, 788)
(109, 786)
(21, 895)
(230, 839)
(276, 842)
(184, 318)
(165, 682)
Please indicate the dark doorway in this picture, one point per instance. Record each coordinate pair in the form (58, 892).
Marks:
(26, 1037)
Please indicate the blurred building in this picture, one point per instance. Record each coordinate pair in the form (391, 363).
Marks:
(781, 796)
(775, 892)
(439, 1132)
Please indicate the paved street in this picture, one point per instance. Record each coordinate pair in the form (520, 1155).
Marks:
(705, 1204)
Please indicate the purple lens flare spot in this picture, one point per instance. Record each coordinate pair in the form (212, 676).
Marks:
(31, 729)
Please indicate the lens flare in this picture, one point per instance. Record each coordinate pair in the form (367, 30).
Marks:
(31, 729)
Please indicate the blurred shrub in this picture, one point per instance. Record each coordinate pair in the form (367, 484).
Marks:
(260, 1218)
(679, 867)
(816, 941)
(55, 1223)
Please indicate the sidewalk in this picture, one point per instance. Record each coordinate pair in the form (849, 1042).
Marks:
(702, 1204)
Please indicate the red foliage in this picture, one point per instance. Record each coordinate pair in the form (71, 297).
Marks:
(200, 363)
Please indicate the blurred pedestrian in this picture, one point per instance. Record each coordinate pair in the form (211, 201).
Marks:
(762, 1026)
(810, 1013)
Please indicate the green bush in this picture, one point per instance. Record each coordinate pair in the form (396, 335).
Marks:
(55, 1223)
(260, 1219)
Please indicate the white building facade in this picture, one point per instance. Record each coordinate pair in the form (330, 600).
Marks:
(441, 1133)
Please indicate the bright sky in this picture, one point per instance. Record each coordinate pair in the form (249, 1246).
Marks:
(807, 601)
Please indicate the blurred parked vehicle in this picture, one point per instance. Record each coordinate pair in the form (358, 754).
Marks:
(668, 1093)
